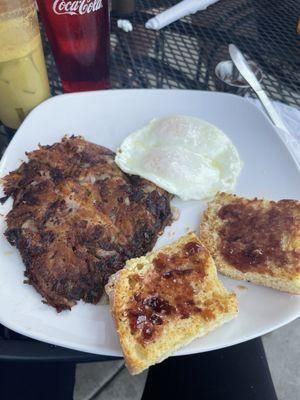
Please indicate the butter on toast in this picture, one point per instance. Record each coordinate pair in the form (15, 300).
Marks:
(166, 299)
(255, 240)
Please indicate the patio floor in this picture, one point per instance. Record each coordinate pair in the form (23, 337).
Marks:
(111, 380)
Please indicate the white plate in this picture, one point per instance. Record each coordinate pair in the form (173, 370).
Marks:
(106, 118)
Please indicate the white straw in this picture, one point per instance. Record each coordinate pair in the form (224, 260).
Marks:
(178, 11)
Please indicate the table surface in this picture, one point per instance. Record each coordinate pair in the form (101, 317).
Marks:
(184, 56)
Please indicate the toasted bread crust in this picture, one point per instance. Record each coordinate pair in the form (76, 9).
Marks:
(211, 305)
(280, 268)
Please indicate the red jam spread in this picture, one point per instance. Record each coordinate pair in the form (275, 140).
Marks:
(192, 248)
(167, 291)
(251, 237)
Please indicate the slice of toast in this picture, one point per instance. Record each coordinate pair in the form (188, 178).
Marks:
(254, 240)
(165, 300)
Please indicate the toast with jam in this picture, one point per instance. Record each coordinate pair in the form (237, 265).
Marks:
(254, 240)
(166, 299)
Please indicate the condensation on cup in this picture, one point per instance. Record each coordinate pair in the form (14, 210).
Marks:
(23, 77)
(78, 32)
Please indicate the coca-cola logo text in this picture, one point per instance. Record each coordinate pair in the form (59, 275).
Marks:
(76, 7)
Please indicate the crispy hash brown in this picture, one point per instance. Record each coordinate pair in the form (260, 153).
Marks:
(76, 219)
(166, 299)
(255, 240)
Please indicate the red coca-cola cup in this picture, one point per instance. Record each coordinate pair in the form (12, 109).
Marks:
(78, 32)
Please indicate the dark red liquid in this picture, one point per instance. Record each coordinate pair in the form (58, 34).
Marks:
(79, 42)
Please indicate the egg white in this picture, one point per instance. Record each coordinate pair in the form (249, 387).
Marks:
(184, 155)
